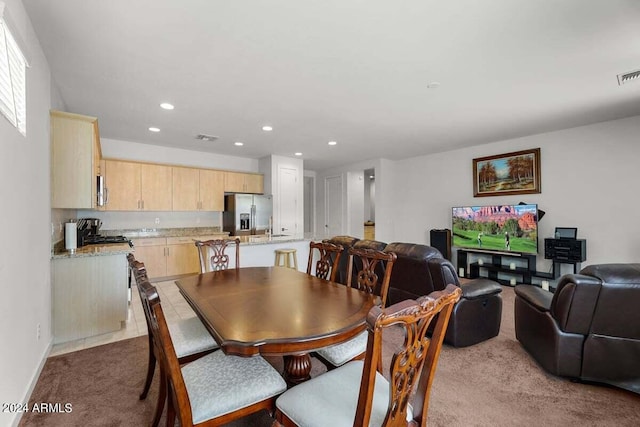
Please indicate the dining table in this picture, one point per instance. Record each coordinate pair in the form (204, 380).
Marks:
(276, 311)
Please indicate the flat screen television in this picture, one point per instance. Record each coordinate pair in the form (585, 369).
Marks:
(497, 228)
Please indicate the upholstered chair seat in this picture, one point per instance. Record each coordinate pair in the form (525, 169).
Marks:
(190, 337)
(339, 354)
(332, 398)
(218, 384)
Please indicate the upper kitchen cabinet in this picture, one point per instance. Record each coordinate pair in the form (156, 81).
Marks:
(134, 186)
(75, 160)
(197, 189)
(239, 182)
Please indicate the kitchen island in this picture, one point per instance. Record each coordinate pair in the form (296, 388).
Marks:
(89, 291)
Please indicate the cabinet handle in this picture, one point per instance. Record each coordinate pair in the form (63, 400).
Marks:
(143, 204)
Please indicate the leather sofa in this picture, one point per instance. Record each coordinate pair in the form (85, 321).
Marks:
(589, 329)
(420, 270)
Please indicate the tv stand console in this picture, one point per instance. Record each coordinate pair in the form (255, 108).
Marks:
(505, 268)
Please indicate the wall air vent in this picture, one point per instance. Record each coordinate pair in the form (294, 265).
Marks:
(204, 137)
(628, 77)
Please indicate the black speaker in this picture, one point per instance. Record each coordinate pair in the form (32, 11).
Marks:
(441, 240)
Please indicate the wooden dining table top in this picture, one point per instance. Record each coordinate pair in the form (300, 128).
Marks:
(275, 310)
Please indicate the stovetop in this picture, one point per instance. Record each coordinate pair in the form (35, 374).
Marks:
(97, 239)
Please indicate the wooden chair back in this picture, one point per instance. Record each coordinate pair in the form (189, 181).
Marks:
(218, 260)
(166, 354)
(413, 365)
(327, 265)
(372, 264)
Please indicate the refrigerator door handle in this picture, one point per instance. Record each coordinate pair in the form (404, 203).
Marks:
(253, 219)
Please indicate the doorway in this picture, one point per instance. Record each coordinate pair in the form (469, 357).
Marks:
(333, 206)
(369, 204)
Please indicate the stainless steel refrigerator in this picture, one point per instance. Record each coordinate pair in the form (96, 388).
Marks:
(246, 214)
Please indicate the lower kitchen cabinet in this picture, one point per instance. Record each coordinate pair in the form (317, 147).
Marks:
(90, 296)
(170, 256)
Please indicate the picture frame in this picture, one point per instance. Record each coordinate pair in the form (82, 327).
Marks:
(507, 174)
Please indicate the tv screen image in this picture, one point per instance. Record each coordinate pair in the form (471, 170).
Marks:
(501, 228)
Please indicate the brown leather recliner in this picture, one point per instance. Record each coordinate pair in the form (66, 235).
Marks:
(589, 329)
(421, 269)
(478, 314)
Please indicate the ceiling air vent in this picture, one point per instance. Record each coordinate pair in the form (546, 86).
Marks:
(204, 137)
(628, 77)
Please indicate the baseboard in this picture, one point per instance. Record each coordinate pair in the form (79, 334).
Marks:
(34, 381)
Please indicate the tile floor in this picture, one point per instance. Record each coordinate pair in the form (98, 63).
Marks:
(174, 305)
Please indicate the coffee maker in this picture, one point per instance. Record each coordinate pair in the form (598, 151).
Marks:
(87, 229)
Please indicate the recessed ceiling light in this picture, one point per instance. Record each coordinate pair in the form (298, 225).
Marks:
(332, 142)
(238, 143)
(166, 106)
(152, 129)
(298, 154)
(267, 128)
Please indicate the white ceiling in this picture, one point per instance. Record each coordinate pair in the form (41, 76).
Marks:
(353, 71)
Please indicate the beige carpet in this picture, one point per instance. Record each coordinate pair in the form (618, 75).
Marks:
(494, 383)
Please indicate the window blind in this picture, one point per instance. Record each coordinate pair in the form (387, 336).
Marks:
(12, 79)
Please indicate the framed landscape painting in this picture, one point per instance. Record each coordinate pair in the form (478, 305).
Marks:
(507, 174)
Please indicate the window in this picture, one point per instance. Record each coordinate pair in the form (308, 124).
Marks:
(12, 78)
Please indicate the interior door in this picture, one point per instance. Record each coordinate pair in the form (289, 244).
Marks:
(288, 201)
(333, 206)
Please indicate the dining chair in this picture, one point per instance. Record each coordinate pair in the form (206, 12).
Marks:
(327, 265)
(212, 254)
(358, 393)
(373, 276)
(191, 338)
(214, 389)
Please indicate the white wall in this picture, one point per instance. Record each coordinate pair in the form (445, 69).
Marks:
(25, 291)
(128, 150)
(589, 178)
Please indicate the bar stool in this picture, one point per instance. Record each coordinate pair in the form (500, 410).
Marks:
(284, 257)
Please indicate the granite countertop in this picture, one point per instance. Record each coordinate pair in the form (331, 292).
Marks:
(164, 232)
(267, 240)
(123, 248)
(93, 250)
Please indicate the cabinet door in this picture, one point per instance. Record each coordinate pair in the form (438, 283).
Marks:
(122, 181)
(74, 148)
(211, 190)
(238, 182)
(234, 182)
(154, 259)
(254, 183)
(185, 189)
(182, 259)
(155, 187)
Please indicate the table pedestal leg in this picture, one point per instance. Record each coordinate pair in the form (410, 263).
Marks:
(297, 368)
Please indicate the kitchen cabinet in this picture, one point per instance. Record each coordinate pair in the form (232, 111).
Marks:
(137, 186)
(197, 189)
(170, 256)
(89, 296)
(240, 182)
(75, 160)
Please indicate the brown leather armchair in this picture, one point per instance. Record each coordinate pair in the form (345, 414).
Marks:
(589, 329)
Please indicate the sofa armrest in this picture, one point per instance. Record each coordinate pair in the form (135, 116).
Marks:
(535, 296)
(479, 288)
